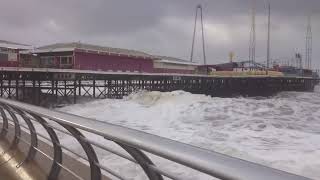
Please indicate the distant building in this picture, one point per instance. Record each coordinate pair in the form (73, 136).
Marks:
(165, 64)
(87, 57)
(92, 57)
(204, 69)
(232, 66)
(9, 53)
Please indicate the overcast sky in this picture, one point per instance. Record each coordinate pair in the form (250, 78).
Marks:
(163, 27)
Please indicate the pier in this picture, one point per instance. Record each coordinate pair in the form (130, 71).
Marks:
(41, 86)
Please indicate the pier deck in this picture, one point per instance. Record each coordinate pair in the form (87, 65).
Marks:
(40, 86)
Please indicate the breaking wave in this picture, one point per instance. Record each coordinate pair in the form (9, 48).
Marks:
(282, 131)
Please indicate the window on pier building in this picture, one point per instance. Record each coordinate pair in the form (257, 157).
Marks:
(47, 61)
(56, 61)
(66, 60)
(3, 57)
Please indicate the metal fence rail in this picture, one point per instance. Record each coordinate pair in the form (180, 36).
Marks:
(137, 144)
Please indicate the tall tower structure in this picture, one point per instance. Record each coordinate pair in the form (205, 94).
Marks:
(268, 42)
(199, 8)
(252, 46)
(308, 59)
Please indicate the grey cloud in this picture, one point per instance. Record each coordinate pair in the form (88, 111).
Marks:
(161, 27)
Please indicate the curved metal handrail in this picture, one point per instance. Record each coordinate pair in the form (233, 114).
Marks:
(136, 143)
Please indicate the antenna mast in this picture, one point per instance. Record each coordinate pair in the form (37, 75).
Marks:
(199, 7)
(268, 43)
(309, 45)
(252, 46)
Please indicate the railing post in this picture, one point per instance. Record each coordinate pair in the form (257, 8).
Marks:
(143, 161)
(57, 151)
(4, 129)
(33, 136)
(17, 129)
(92, 156)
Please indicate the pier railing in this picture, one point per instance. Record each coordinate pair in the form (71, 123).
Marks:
(139, 148)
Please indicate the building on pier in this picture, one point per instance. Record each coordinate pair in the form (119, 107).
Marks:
(165, 64)
(87, 57)
(92, 57)
(9, 53)
(243, 68)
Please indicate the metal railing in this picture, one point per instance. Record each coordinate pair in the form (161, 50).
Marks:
(141, 147)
